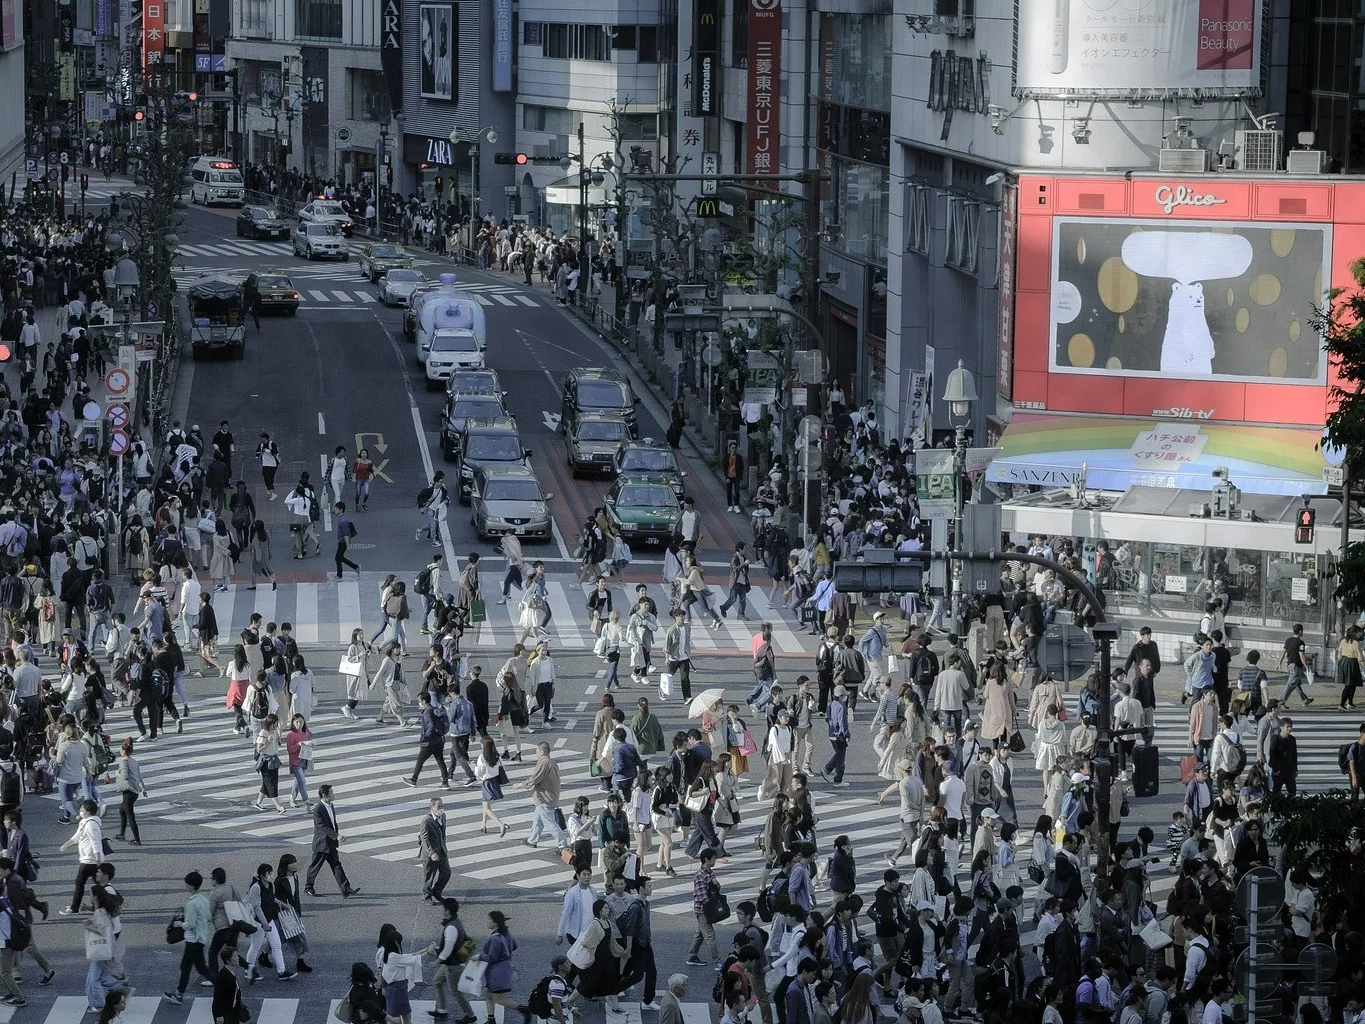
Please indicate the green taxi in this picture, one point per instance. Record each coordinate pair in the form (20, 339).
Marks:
(650, 458)
(377, 258)
(644, 508)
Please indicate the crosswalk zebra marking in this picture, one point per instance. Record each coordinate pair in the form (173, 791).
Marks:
(524, 300)
(319, 296)
(343, 296)
(503, 299)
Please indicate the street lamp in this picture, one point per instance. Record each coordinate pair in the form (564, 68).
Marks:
(960, 394)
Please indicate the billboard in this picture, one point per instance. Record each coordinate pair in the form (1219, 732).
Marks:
(1100, 46)
(440, 31)
(706, 59)
(1188, 299)
(764, 75)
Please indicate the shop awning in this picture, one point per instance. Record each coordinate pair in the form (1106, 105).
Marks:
(1051, 450)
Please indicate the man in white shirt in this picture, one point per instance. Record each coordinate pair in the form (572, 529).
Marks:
(300, 506)
(187, 608)
(690, 525)
(1299, 899)
(577, 913)
(950, 793)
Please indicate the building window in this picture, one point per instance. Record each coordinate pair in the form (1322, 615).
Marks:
(555, 41)
(954, 8)
(532, 32)
(855, 60)
(623, 37)
(555, 120)
(255, 18)
(739, 33)
(589, 42)
(964, 216)
(369, 95)
(318, 18)
(855, 216)
(579, 42)
(648, 52)
(639, 126)
(917, 219)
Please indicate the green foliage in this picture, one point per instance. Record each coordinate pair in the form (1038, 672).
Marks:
(1312, 831)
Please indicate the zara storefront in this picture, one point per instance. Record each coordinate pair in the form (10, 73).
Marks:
(1164, 345)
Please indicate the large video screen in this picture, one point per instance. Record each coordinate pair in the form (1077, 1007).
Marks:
(1190, 300)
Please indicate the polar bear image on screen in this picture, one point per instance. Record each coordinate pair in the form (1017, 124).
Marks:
(1188, 259)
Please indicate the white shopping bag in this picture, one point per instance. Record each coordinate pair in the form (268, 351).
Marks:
(665, 685)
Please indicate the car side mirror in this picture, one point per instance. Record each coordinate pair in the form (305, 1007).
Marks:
(683, 473)
(526, 452)
(550, 496)
(637, 399)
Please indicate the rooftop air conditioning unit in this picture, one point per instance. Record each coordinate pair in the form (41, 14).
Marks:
(1183, 161)
(1258, 150)
(1304, 161)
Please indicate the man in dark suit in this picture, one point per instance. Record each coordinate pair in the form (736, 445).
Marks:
(435, 856)
(476, 691)
(326, 840)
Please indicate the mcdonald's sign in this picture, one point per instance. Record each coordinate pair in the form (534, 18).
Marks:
(708, 207)
(706, 59)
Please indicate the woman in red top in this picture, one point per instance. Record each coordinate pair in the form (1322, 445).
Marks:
(361, 473)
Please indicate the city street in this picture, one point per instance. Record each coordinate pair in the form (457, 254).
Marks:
(340, 373)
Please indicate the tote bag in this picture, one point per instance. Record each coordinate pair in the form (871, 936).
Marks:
(580, 955)
(98, 946)
(665, 685)
(471, 978)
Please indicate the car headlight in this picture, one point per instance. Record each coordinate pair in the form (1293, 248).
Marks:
(466, 473)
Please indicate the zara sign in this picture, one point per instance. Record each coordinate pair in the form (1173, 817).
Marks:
(391, 49)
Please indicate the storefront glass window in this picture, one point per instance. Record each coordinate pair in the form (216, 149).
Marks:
(855, 63)
(369, 95)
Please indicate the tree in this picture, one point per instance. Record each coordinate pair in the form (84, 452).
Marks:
(1313, 831)
(1341, 322)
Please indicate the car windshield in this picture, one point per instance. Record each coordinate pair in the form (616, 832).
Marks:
(595, 394)
(273, 281)
(494, 448)
(454, 343)
(473, 383)
(597, 430)
(321, 229)
(329, 209)
(646, 496)
(266, 213)
(384, 251)
(225, 177)
(470, 408)
(648, 460)
(399, 274)
(511, 490)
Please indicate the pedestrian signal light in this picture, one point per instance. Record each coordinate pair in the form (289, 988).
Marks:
(6, 353)
(85, 181)
(193, 97)
(1303, 526)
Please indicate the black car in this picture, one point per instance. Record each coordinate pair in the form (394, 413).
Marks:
(595, 389)
(461, 408)
(261, 222)
(486, 443)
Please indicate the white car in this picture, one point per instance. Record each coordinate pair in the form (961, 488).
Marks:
(327, 211)
(452, 348)
(397, 285)
(313, 240)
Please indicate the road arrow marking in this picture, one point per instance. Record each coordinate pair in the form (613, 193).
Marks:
(551, 420)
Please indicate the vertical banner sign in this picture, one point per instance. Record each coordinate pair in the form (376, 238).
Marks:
(391, 49)
(104, 18)
(66, 27)
(1227, 35)
(1009, 227)
(689, 127)
(502, 45)
(9, 23)
(765, 74)
(706, 59)
(316, 131)
(153, 35)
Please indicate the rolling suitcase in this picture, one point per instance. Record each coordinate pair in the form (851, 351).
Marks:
(1146, 770)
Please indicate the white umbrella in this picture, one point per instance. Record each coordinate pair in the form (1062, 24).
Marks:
(703, 701)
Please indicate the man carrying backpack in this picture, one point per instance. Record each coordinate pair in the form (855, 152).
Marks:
(924, 669)
(435, 726)
(428, 585)
(1228, 758)
(99, 605)
(452, 953)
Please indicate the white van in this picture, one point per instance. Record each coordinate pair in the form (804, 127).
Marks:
(216, 179)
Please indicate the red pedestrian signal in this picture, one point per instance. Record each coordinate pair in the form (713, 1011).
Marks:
(193, 97)
(6, 353)
(1303, 526)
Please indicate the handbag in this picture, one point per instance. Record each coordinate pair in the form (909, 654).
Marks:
(471, 978)
(1017, 744)
(698, 801)
(566, 854)
(344, 1012)
(290, 925)
(600, 648)
(891, 666)
(349, 667)
(665, 685)
(478, 611)
(1036, 873)
(580, 955)
(175, 930)
(595, 769)
(98, 946)
(1187, 769)
(1124, 809)
(773, 978)
(306, 752)
(747, 746)
(236, 912)
(108, 847)
(717, 908)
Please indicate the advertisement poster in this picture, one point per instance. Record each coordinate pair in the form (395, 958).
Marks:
(764, 81)
(440, 43)
(1104, 46)
(9, 23)
(1188, 300)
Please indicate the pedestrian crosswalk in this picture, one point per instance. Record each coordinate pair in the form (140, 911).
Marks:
(199, 1009)
(324, 614)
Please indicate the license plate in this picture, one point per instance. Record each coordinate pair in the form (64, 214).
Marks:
(519, 530)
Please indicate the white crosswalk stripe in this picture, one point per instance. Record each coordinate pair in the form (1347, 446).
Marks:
(325, 613)
(199, 1010)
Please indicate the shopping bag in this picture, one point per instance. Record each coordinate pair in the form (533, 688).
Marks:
(891, 665)
(665, 685)
(747, 746)
(1187, 769)
(471, 978)
(235, 911)
(288, 920)
(347, 667)
(478, 611)
(98, 946)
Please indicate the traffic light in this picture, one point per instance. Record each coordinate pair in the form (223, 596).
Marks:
(6, 353)
(193, 97)
(85, 181)
(1303, 526)
(140, 115)
(66, 172)
(511, 158)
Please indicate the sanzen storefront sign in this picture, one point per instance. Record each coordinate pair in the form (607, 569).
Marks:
(1179, 299)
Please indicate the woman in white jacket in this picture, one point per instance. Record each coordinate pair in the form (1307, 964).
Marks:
(389, 676)
(356, 671)
(301, 688)
(612, 637)
(88, 839)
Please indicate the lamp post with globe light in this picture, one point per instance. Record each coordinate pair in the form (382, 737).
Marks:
(959, 392)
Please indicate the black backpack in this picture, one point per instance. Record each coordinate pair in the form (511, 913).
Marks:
(11, 593)
(11, 787)
(163, 682)
(135, 541)
(424, 496)
(241, 516)
(539, 1003)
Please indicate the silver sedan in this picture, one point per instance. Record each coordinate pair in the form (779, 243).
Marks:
(396, 285)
